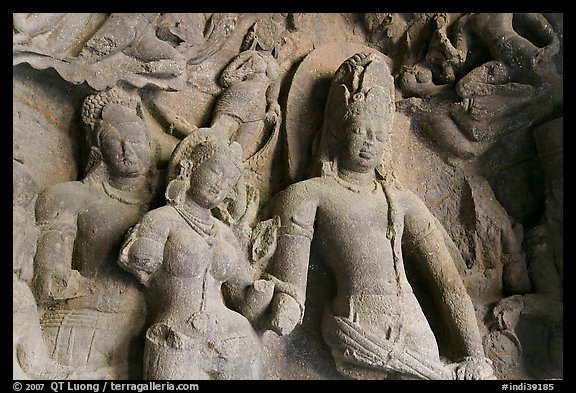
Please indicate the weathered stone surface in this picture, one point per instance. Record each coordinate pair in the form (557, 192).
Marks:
(271, 252)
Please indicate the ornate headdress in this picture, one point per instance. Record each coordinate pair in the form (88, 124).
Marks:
(111, 108)
(362, 84)
(192, 151)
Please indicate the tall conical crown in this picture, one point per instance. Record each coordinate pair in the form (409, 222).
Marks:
(362, 84)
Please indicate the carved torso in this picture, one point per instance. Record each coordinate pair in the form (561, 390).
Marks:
(351, 229)
(101, 215)
(196, 263)
(186, 287)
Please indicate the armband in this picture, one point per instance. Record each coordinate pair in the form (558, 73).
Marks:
(64, 228)
(296, 229)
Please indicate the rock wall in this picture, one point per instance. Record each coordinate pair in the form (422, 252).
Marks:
(104, 102)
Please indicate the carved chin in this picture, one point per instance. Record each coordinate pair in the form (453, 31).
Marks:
(210, 201)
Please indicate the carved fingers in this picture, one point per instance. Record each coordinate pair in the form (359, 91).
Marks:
(273, 113)
(474, 368)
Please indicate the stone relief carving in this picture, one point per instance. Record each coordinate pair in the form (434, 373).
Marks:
(102, 49)
(360, 222)
(186, 258)
(30, 355)
(356, 156)
(81, 224)
(493, 96)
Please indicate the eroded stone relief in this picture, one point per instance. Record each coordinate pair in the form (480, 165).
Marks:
(288, 196)
(187, 259)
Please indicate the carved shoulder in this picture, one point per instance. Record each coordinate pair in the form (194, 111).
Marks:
(156, 224)
(418, 219)
(61, 202)
(300, 198)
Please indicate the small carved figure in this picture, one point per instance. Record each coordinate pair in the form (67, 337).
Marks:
(195, 272)
(516, 87)
(366, 228)
(514, 317)
(248, 112)
(252, 82)
(94, 309)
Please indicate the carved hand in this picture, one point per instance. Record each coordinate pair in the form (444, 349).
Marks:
(285, 314)
(68, 284)
(258, 297)
(273, 113)
(474, 368)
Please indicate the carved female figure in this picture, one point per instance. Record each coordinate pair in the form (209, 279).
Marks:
(191, 262)
(82, 224)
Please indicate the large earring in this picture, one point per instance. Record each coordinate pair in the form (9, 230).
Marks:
(175, 192)
(95, 159)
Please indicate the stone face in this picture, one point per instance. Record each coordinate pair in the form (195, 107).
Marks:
(288, 196)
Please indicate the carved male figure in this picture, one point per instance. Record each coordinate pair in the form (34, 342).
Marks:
(95, 310)
(365, 228)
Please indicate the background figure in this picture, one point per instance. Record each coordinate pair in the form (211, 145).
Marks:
(99, 49)
(248, 112)
(501, 66)
(30, 355)
(252, 81)
(95, 312)
(366, 229)
(195, 272)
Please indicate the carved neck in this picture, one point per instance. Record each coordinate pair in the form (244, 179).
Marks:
(132, 193)
(196, 210)
(356, 178)
(129, 184)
